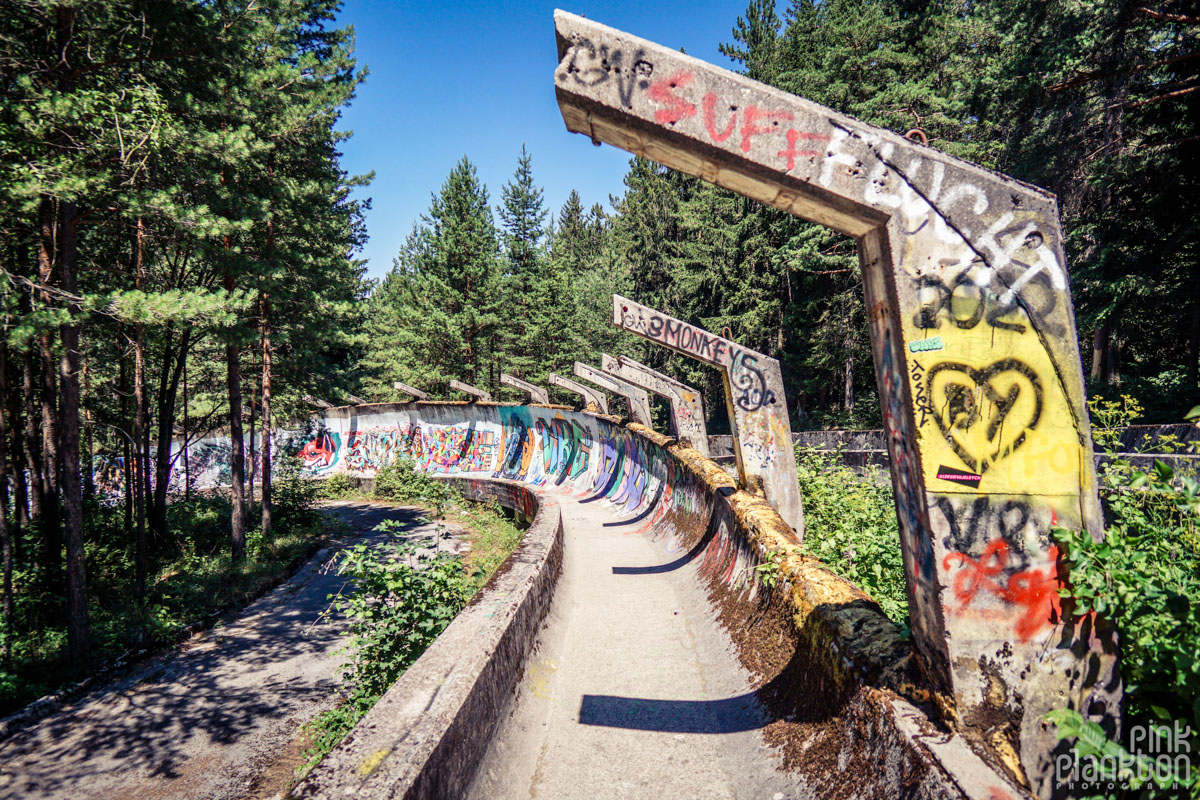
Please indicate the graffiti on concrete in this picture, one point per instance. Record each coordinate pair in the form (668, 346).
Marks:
(754, 394)
(320, 454)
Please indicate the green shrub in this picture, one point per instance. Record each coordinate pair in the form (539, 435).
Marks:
(400, 603)
(1144, 576)
(337, 486)
(401, 480)
(850, 524)
(292, 494)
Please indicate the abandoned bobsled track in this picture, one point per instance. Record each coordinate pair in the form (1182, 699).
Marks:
(629, 646)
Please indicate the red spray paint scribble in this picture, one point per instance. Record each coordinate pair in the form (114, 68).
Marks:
(677, 107)
(791, 153)
(709, 104)
(1034, 590)
(750, 118)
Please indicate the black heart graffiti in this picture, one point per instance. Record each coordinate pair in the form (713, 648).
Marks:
(980, 435)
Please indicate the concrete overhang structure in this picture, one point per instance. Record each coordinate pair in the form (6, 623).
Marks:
(687, 405)
(636, 400)
(975, 353)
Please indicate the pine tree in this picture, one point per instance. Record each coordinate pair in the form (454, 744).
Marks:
(527, 336)
(435, 315)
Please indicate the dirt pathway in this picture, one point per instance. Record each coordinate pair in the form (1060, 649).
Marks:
(217, 718)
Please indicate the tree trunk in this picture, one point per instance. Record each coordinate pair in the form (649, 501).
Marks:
(50, 469)
(233, 383)
(127, 449)
(266, 418)
(848, 385)
(141, 467)
(33, 450)
(77, 612)
(1102, 352)
(251, 468)
(168, 392)
(17, 459)
(6, 548)
(1193, 364)
(237, 473)
(187, 472)
(89, 484)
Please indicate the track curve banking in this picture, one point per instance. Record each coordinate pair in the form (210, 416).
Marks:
(629, 648)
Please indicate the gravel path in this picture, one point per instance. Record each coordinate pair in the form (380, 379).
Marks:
(217, 718)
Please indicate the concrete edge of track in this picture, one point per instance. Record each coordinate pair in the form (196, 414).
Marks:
(424, 737)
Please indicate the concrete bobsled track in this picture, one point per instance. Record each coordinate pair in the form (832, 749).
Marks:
(629, 647)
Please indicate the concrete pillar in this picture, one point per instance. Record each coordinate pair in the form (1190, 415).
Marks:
(404, 387)
(762, 434)
(687, 406)
(466, 388)
(591, 398)
(636, 399)
(975, 353)
(536, 393)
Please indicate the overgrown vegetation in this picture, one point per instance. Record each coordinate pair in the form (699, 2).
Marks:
(406, 592)
(192, 578)
(850, 524)
(400, 480)
(1143, 576)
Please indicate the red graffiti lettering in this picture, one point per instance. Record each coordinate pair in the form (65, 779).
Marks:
(677, 107)
(1034, 590)
(791, 153)
(709, 105)
(750, 126)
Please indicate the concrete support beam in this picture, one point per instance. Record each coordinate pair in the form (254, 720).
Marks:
(592, 400)
(410, 390)
(762, 434)
(687, 406)
(536, 393)
(636, 400)
(976, 358)
(466, 388)
(358, 401)
(313, 401)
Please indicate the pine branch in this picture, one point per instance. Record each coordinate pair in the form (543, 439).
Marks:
(1149, 12)
(1095, 75)
(1156, 98)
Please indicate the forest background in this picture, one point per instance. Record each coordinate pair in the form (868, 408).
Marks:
(179, 239)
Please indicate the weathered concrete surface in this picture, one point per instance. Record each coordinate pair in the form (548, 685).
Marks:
(219, 718)
(834, 673)
(425, 736)
(636, 399)
(536, 393)
(687, 404)
(975, 352)
(634, 690)
(590, 396)
(410, 390)
(754, 397)
(467, 388)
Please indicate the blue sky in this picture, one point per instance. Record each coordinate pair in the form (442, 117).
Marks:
(476, 79)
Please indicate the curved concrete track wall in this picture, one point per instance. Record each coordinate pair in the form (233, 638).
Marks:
(832, 684)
